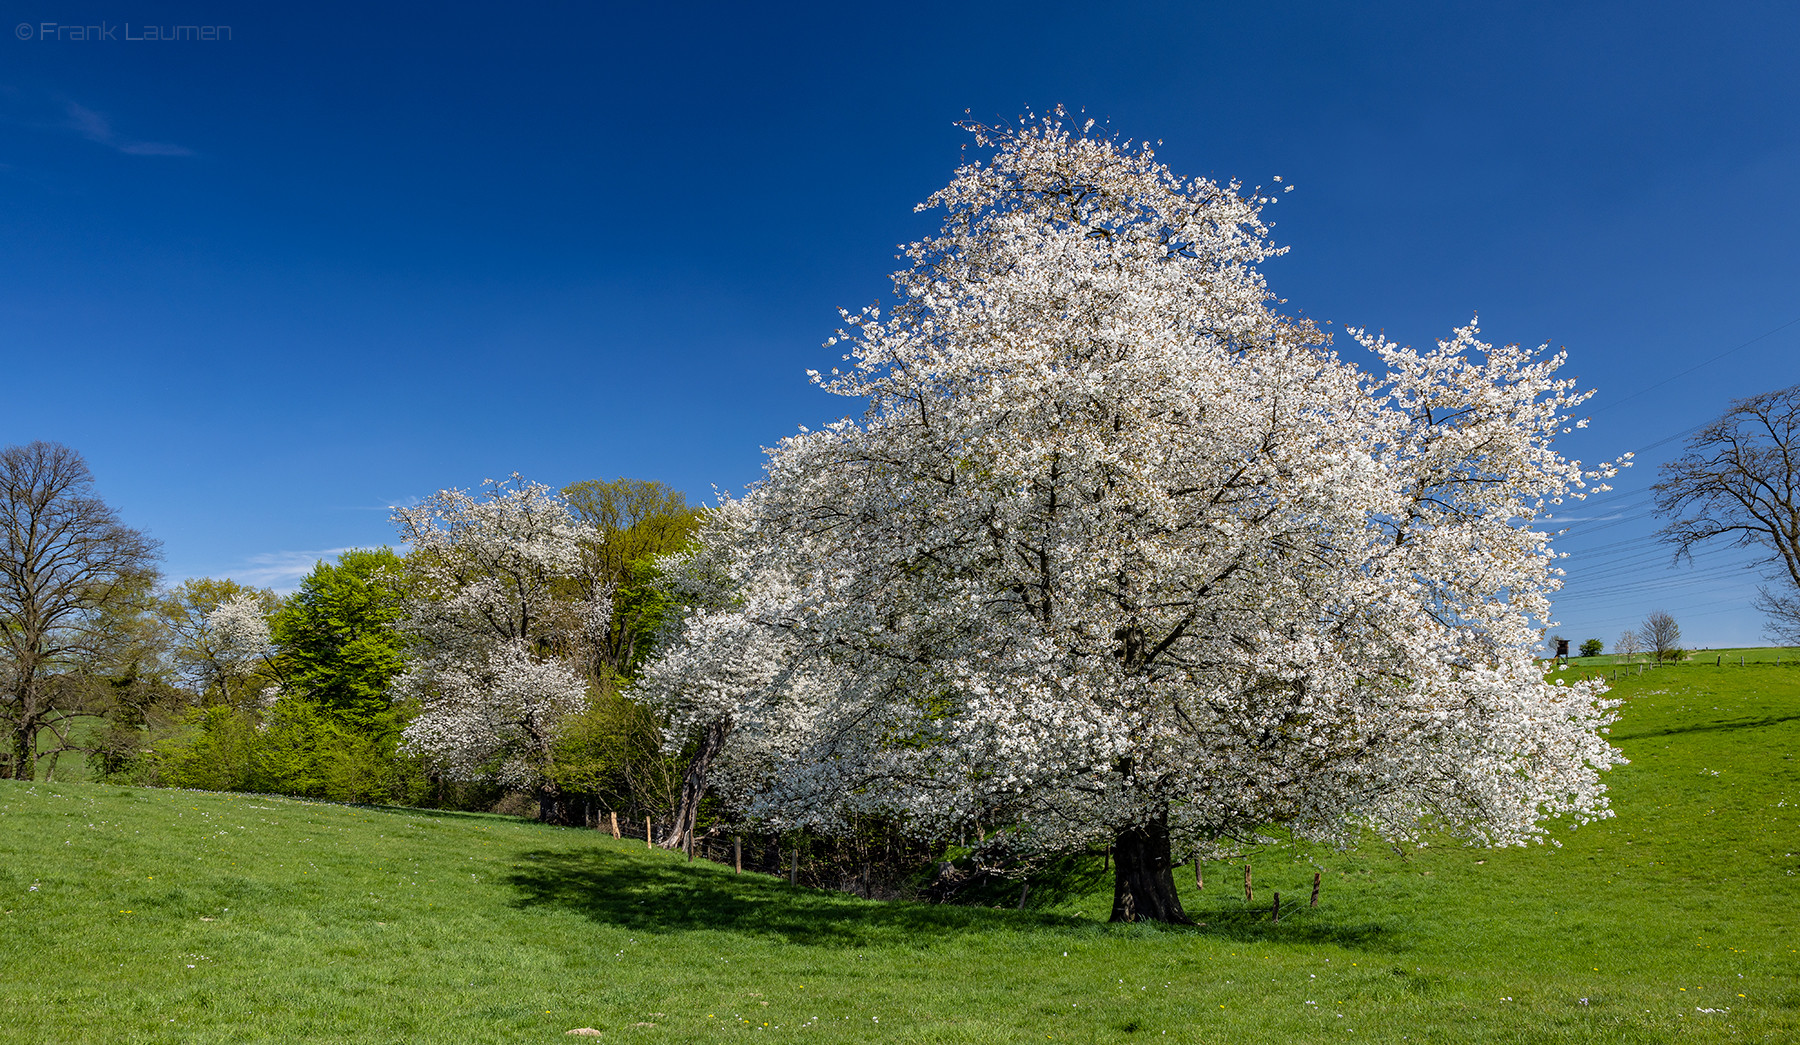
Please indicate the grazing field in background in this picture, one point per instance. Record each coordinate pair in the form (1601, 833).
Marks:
(162, 916)
(1732, 657)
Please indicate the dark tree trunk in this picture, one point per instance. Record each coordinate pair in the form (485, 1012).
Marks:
(693, 784)
(1144, 876)
(557, 807)
(23, 764)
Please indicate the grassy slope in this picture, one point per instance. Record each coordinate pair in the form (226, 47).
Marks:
(175, 916)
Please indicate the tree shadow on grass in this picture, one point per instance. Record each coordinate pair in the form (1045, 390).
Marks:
(1071, 878)
(1711, 727)
(652, 895)
(1062, 880)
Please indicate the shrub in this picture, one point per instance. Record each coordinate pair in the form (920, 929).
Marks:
(294, 748)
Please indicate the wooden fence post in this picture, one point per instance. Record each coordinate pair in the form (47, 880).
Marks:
(794, 865)
(1275, 911)
(1199, 879)
(1249, 896)
(1023, 893)
(737, 853)
(615, 822)
(647, 844)
(1315, 899)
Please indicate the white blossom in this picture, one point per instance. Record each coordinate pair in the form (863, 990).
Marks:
(241, 632)
(492, 712)
(1114, 542)
(500, 623)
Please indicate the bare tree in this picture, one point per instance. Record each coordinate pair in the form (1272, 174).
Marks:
(1740, 480)
(71, 579)
(1662, 635)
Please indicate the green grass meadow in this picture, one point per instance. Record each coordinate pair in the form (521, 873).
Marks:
(134, 915)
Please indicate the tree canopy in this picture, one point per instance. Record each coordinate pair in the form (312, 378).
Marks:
(632, 522)
(73, 581)
(218, 664)
(501, 639)
(1117, 553)
(339, 637)
(1739, 482)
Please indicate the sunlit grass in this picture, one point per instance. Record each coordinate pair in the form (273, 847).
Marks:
(137, 915)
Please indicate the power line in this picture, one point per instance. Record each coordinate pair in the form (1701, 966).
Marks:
(1622, 520)
(1603, 506)
(1683, 584)
(1698, 366)
(1701, 611)
(1580, 565)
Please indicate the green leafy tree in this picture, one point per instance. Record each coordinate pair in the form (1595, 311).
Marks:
(131, 689)
(635, 522)
(306, 748)
(295, 692)
(293, 747)
(1592, 648)
(216, 752)
(339, 640)
(613, 750)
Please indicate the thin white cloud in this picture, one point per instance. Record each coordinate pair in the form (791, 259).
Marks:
(88, 123)
(98, 129)
(282, 570)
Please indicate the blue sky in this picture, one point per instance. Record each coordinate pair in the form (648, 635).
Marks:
(272, 284)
